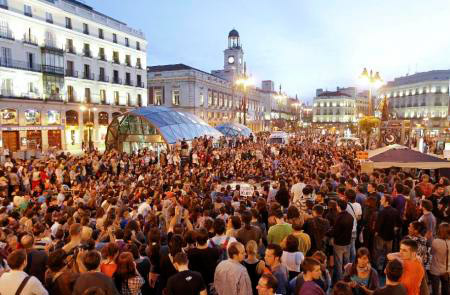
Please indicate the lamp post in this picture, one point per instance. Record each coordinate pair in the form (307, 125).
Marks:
(374, 80)
(89, 125)
(245, 82)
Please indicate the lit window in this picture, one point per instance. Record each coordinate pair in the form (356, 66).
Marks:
(202, 100)
(176, 97)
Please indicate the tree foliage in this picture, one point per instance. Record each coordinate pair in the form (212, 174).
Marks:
(367, 124)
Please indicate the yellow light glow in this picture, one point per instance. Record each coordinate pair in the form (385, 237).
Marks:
(83, 108)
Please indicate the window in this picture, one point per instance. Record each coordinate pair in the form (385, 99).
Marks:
(158, 97)
(68, 23)
(100, 33)
(87, 95)
(202, 99)
(101, 53)
(69, 46)
(103, 97)
(127, 42)
(70, 94)
(49, 17)
(86, 29)
(128, 79)
(209, 98)
(114, 37)
(87, 72)
(138, 45)
(116, 77)
(176, 97)
(139, 81)
(101, 75)
(87, 50)
(32, 117)
(69, 69)
(139, 100)
(116, 57)
(128, 99)
(27, 10)
(4, 4)
(128, 60)
(138, 63)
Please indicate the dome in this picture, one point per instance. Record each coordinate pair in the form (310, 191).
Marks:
(234, 129)
(233, 33)
(156, 124)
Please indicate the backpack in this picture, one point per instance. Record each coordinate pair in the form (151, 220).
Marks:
(223, 254)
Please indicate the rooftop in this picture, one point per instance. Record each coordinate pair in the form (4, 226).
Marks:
(333, 93)
(177, 67)
(438, 75)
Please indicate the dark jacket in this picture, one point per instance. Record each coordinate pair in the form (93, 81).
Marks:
(283, 197)
(37, 264)
(317, 229)
(342, 229)
(62, 284)
(387, 220)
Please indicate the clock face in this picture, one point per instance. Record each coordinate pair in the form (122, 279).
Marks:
(231, 60)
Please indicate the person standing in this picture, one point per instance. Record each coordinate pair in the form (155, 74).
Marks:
(306, 284)
(267, 285)
(17, 281)
(394, 271)
(387, 220)
(428, 219)
(231, 277)
(279, 270)
(342, 235)
(413, 271)
(440, 262)
(185, 282)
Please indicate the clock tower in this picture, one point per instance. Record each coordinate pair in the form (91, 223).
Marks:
(234, 55)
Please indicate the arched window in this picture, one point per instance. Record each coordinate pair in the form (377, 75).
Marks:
(103, 118)
(72, 118)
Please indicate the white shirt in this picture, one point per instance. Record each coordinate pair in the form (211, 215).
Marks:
(356, 212)
(10, 282)
(144, 208)
(297, 190)
(292, 261)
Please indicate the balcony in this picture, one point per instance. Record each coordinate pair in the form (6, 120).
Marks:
(4, 6)
(87, 53)
(140, 84)
(128, 64)
(116, 61)
(21, 65)
(138, 66)
(52, 70)
(71, 73)
(103, 78)
(71, 98)
(70, 49)
(6, 92)
(102, 57)
(53, 97)
(30, 40)
(7, 34)
(88, 76)
(49, 45)
(116, 80)
(128, 82)
(103, 101)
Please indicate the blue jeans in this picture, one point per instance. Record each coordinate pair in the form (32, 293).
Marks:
(341, 258)
(352, 247)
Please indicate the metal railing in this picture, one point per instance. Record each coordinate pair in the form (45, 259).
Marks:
(87, 53)
(103, 78)
(128, 82)
(102, 57)
(70, 49)
(7, 34)
(71, 73)
(116, 80)
(30, 39)
(52, 69)
(140, 84)
(21, 65)
(88, 76)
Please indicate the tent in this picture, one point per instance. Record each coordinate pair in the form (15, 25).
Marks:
(385, 148)
(404, 157)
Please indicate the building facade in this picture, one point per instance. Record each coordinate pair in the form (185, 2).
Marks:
(422, 98)
(215, 97)
(65, 67)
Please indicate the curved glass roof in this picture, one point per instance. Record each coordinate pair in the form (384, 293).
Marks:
(234, 129)
(171, 124)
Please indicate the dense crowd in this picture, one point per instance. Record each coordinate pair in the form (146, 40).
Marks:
(178, 222)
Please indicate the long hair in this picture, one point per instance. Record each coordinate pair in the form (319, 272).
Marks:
(125, 266)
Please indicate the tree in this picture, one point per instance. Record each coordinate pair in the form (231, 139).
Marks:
(367, 124)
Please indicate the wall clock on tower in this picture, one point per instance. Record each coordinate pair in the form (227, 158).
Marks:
(231, 60)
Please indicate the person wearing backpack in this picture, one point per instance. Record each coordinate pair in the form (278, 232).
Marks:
(18, 282)
(220, 240)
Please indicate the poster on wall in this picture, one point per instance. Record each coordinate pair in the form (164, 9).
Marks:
(32, 117)
(9, 116)
(53, 117)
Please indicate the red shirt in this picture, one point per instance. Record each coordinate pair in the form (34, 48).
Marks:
(412, 277)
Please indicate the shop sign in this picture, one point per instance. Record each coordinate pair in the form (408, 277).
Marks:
(362, 155)
(25, 128)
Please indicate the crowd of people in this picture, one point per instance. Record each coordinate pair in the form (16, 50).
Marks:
(178, 223)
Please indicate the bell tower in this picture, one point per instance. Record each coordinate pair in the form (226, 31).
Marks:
(234, 55)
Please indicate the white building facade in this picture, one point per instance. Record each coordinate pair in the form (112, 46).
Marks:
(419, 96)
(58, 58)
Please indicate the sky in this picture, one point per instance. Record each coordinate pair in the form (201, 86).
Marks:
(301, 44)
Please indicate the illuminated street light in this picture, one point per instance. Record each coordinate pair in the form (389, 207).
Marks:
(374, 81)
(89, 125)
(245, 82)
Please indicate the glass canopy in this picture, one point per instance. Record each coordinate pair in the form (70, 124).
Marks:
(155, 125)
(234, 129)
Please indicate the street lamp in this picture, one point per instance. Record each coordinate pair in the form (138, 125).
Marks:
(373, 80)
(89, 125)
(245, 82)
